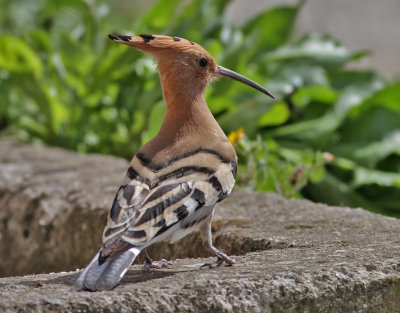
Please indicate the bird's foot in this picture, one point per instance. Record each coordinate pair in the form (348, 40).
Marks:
(229, 261)
(150, 264)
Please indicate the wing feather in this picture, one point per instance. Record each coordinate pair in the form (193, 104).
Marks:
(157, 200)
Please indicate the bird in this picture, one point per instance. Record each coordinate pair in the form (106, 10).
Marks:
(175, 180)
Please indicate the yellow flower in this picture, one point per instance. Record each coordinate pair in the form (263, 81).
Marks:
(235, 136)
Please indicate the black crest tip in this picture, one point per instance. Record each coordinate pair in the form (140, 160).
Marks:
(119, 37)
(147, 38)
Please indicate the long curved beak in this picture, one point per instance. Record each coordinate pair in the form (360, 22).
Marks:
(224, 72)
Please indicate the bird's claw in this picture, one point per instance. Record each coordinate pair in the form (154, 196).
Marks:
(163, 263)
(215, 264)
(219, 262)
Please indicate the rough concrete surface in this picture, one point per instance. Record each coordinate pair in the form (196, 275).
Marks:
(292, 255)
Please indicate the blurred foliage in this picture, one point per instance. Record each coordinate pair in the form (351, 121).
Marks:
(64, 83)
(269, 167)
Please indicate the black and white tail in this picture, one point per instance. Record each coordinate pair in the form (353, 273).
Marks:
(105, 275)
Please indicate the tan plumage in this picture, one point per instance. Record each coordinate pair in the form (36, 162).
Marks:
(175, 180)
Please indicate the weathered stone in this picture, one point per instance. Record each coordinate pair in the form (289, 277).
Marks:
(53, 206)
(292, 255)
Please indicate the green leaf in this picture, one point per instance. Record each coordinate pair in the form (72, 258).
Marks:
(364, 176)
(372, 125)
(271, 28)
(205, 22)
(286, 78)
(320, 94)
(388, 97)
(277, 115)
(355, 94)
(374, 152)
(158, 17)
(316, 132)
(316, 48)
(17, 56)
(246, 116)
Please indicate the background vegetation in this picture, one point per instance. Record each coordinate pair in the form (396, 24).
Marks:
(332, 135)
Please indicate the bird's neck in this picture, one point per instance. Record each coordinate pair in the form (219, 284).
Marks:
(188, 123)
(186, 112)
(186, 108)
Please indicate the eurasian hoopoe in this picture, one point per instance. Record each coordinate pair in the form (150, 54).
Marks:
(175, 180)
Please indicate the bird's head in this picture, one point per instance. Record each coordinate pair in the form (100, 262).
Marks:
(183, 60)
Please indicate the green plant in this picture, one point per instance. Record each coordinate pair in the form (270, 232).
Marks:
(268, 166)
(64, 83)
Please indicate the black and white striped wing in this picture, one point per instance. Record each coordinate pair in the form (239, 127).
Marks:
(163, 209)
(127, 202)
(151, 207)
(179, 191)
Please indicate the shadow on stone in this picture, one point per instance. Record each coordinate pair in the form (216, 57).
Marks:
(134, 277)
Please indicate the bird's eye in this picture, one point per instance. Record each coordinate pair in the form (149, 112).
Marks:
(203, 62)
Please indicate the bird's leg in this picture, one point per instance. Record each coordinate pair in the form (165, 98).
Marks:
(206, 236)
(163, 263)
